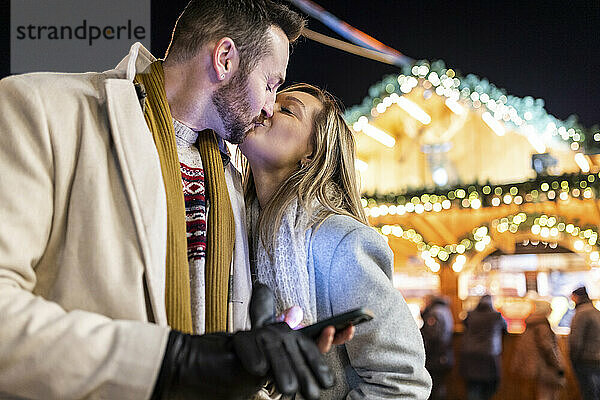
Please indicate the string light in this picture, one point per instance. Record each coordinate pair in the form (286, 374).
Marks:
(534, 139)
(582, 162)
(526, 115)
(454, 106)
(586, 185)
(362, 125)
(360, 165)
(493, 123)
(584, 240)
(414, 110)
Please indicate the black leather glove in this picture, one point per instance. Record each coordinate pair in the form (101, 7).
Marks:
(203, 367)
(236, 366)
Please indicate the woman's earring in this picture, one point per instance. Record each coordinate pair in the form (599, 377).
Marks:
(222, 76)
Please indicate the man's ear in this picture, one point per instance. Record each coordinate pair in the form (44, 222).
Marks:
(226, 59)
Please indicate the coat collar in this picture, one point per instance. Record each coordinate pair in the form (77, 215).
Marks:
(140, 170)
(136, 61)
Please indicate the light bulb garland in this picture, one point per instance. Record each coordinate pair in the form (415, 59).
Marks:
(540, 226)
(545, 188)
(525, 115)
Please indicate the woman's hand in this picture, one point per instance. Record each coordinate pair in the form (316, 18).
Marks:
(329, 337)
(292, 316)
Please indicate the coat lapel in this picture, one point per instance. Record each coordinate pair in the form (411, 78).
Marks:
(140, 169)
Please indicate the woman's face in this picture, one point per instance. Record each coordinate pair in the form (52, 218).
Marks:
(284, 140)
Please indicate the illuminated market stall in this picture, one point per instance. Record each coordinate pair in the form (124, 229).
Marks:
(479, 192)
(476, 191)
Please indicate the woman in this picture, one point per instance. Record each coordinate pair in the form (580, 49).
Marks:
(537, 355)
(311, 244)
(482, 349)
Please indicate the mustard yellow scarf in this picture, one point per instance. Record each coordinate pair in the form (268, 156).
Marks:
(221, 226)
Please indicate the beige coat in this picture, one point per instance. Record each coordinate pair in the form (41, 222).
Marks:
(82, 238)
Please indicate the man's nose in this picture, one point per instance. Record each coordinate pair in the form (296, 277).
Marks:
(269, 105)
(268, 111)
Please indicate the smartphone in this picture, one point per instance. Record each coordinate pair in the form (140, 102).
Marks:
(339, 322)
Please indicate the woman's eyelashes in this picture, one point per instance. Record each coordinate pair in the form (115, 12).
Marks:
(286, 110)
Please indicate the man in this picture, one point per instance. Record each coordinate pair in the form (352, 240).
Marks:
(481, 352)
(437, 331)
(94, 264)
(584, 344)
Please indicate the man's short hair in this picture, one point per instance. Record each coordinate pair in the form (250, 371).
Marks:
(244, 21)
(581, 292)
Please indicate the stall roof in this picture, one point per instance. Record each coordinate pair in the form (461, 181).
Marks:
(429, 118)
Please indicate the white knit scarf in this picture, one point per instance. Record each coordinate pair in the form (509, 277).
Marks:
(286, 274)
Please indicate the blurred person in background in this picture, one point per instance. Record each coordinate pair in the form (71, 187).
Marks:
(437, 330)
(480, 362)
(584, 344)
(537, 355)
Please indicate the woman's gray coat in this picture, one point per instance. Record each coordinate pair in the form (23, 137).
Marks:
(351, 266)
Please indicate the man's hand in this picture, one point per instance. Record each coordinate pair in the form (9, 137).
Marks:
(302, 350)
(291, 359)
(235, 366)
(203, 367)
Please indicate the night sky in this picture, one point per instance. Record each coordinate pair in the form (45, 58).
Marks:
(544, 49)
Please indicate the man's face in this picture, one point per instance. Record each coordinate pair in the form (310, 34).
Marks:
(245, 100)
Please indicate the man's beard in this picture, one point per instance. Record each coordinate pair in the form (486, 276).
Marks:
(231, 102)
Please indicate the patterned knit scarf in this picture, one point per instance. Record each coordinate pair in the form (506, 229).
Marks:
(286, 272)
(221, 223)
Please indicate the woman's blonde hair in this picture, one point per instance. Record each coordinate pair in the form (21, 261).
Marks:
(329, 177)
